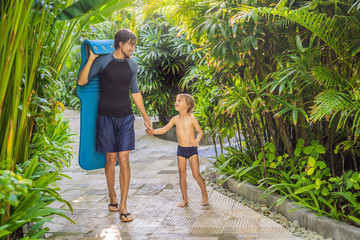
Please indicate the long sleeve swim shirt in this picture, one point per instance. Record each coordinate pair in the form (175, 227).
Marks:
(116, 76)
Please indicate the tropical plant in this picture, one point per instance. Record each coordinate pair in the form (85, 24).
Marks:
(284, 72)
(163, 58)
(35, 43)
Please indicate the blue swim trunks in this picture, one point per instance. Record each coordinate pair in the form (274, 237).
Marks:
(187, 152)
(115, 134)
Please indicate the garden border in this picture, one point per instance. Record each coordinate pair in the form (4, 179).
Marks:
(325, 226)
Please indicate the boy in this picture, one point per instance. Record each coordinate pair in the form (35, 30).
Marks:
(185, 124)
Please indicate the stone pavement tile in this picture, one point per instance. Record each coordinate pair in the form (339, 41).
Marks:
(268, 223)
(271, 232)
(239, 206)
(165, 238)
(244, 214)
(242, 232)
(158, 212)
(64, 231)
(206, 231)
(210, 222)
(243, 223)
(153, 197)
(51, 237)
(169, 171)
(178, 222)
(150, 189)
(222, 213)
(236, 237)
(184, 213)
(200, 238)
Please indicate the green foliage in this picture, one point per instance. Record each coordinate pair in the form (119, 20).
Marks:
(52, 143)
(163, 58)
(12, 187)
(305, 179)
(68, 78)
(279, 81)
(34, 138)
(33, 203)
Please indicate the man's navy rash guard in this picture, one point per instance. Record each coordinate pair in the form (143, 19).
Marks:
(116, 76)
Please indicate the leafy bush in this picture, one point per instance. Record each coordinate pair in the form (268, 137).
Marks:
(163, 57)
(304, 178)
(12, 186)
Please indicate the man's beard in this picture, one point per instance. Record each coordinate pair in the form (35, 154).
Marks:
(126, 56)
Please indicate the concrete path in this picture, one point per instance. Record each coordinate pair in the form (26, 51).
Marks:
(153, 198)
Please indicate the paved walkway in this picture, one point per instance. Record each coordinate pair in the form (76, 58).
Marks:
(153, 198)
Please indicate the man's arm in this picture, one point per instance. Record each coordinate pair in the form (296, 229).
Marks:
(165, 128)
(84, 74)
(137, 97)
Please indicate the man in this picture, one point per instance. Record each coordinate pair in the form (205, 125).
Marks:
(115, 134)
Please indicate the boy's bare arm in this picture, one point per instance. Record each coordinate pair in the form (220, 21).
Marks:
(165, 128)
(199, 131)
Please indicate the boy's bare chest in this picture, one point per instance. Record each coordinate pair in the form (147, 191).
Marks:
(184, 125)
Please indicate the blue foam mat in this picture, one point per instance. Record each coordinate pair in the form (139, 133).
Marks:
(89, 94)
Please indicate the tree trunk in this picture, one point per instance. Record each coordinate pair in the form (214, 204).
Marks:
(284, 136)
(251, 136)
(238, 130)
(246, 135)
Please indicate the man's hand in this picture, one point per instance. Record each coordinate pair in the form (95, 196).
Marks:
(147, 124)
(92, 55)
(149, 132)
(84, 73)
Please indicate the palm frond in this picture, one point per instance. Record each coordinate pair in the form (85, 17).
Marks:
(333, 31)
(327, 77)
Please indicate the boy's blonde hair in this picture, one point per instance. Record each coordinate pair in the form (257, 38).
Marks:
(189, 101)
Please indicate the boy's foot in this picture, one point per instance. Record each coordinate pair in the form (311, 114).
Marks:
(126, 217)
(183, 204)
(205, 201)
(113, 207)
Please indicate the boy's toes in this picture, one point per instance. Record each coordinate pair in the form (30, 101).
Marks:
(182, 204)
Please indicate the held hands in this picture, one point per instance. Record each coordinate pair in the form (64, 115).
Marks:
(149, 130)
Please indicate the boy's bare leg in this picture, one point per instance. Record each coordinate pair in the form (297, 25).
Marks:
(110, 178)
(124, 178)
(182, 180)
(195, 169)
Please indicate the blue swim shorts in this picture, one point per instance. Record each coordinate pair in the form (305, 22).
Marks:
(187, 152)
(115, 134)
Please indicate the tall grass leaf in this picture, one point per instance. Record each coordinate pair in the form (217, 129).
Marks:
(31, 167)
(355, 219)
(305, 189)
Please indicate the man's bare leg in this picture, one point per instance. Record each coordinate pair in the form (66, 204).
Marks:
(182, 180)
(110, 178)
(195, 169)
(124, 178)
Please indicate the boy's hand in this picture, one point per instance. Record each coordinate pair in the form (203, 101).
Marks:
(196, 143)
(149, 132)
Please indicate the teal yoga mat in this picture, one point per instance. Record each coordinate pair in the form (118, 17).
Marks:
(89, 158)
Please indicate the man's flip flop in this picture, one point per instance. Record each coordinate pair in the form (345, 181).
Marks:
(115, 205)
(124, 217)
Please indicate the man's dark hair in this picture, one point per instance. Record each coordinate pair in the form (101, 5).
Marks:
(124, 35)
